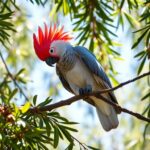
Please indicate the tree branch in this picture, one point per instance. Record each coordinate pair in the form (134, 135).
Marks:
(97, 93)
(11, 76)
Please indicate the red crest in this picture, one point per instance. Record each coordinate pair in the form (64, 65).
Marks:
(44, 39)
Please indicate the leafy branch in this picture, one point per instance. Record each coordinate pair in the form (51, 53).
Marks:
(99, 94)
(5, 26)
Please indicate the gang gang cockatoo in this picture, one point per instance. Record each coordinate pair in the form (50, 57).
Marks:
(78, 70)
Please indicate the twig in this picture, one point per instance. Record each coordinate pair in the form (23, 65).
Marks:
(11, 76)
(97, 93)
(124, 83)
(81, 144)
(137, 115)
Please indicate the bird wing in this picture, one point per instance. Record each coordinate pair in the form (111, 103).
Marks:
(63, 80)
(92, 64)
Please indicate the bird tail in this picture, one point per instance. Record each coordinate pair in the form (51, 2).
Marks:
(107, 115)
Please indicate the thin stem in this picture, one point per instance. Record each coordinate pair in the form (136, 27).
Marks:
(84, 146)
(11, 76)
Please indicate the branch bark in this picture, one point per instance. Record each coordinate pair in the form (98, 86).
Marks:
(96, 93)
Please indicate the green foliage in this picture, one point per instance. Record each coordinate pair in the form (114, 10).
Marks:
(5, 17)
(5, 26)
(144, 35)
(25, 129)
(39, 2)
(95, 22)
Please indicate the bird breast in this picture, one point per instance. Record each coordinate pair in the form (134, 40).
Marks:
(79, 75)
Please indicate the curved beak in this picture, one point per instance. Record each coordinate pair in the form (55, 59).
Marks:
(51, 60)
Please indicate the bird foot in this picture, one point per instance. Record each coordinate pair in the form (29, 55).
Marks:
(86, 90)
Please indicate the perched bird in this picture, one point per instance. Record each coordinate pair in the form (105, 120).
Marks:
(78, 70)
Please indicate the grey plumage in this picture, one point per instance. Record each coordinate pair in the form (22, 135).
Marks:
(63, 80)
(90, 60)
(67, 61)
(79, 68)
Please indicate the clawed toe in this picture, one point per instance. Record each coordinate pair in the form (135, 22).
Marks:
(85, 90)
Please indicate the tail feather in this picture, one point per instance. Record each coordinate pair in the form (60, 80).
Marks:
(108, 121)
(107, 114)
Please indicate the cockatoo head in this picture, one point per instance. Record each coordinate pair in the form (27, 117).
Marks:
(50, 44)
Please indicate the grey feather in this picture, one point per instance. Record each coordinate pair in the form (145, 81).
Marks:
(108, 121)
(90, 60)
(63, 81)
(69, 69)
(106, 113)
(67, 86)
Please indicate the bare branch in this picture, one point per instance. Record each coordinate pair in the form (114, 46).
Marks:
(11, 76)
(97, 93)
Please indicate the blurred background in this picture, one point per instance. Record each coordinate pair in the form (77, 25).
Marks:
(107, 29)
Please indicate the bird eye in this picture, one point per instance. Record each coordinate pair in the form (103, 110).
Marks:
(51, 50)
